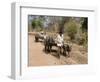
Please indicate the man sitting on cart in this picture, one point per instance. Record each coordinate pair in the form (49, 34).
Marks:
(59, 41)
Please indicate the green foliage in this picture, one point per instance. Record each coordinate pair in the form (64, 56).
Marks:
(71, 29)
(83, 39)
(74, 28)
(84, 36)
(37, 25)
(85, 25)
(34, 24)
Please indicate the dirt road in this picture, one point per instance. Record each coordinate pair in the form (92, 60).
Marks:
(37, 56)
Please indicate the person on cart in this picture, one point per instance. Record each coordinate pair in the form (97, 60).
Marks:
(59, 41)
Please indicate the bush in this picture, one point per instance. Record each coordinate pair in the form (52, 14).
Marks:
(83, 39)
(37, 25)
(71, 29)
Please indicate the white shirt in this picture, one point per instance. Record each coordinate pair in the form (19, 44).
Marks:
(59, 40)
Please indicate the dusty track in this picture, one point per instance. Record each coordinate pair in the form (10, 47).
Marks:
(37, 56)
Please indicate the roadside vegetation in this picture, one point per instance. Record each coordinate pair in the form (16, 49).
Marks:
(75, 29)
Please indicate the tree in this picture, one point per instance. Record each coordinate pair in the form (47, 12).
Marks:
(37, 24)
(85, 25)
(34, 24)
(71, 29)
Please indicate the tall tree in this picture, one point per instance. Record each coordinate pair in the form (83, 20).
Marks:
(85, 25)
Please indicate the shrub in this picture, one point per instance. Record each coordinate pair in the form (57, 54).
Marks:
(83, 39)
(37, 25)
(71, 29)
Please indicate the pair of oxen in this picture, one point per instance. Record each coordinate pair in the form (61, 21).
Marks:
(65, 49)
(49, 42)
